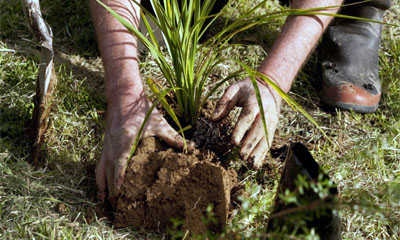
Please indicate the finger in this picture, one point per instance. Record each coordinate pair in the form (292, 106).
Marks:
(116, 171)
(252, 138)
(257, 157)
(101, 181)
(246, 119)
(226, 103)
(172, 138)
(119, 175)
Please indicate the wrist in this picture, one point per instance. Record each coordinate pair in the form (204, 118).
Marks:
(123, 79)
(124, 87)
(279, 83)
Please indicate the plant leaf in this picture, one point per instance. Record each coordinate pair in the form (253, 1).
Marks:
(165, 105)
(146, 118)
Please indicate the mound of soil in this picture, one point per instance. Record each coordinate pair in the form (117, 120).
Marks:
(164, 185)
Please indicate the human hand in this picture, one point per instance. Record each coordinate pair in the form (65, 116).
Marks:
(254, 146)
(125, 115)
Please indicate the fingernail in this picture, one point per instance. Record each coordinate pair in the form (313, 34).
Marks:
(192, 145)
(236, 139)
(214, 115)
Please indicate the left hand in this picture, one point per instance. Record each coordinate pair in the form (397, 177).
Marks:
(125, 115)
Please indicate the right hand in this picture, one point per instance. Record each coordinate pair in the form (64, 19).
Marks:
(125, 115)
(249, 131)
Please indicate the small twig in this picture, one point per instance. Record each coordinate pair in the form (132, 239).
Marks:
(195, 204)
(186, 234)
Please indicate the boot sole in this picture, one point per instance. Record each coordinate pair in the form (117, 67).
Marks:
(350, 107)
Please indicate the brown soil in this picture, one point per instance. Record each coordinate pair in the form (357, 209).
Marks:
(164, 185)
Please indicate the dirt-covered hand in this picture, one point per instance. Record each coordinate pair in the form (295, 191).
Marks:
(249, 131)
(125, 115)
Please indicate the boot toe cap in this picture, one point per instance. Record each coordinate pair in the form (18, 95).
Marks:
(350, 97)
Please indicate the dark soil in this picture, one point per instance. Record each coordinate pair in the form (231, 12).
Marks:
(164, 185)
(161, 184)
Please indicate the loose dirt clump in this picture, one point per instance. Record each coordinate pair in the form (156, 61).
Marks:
(164, 185)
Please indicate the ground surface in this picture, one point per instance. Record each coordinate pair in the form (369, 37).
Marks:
(161, 184)
(57, 200)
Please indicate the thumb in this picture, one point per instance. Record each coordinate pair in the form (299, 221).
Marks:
(227, 102)
(172, 138)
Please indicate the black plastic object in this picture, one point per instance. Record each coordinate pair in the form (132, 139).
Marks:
(312, 209)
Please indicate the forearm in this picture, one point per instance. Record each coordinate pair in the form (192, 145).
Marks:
(118, 47)
(296, 41)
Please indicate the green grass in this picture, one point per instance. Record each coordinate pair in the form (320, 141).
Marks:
(57, 199)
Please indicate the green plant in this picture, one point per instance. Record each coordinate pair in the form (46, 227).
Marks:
(182, 24)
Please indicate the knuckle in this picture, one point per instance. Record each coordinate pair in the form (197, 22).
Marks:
(223, 103)
(255, 108)
(233, 87)
(247, 112)
(167, 131)
(248, 146)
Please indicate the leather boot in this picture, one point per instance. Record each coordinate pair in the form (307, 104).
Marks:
(349, 58)
(309, 210)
